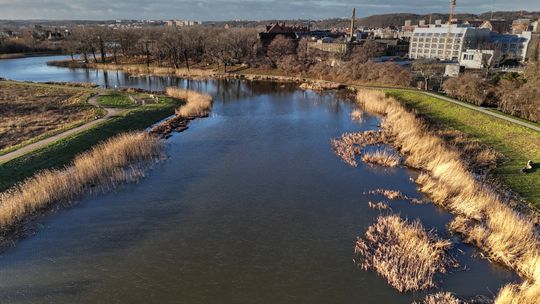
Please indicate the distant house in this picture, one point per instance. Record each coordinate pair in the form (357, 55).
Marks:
(500, 26)
(280, 29)
(520, 25)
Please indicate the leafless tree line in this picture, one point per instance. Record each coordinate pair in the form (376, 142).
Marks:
(171, 47)
(513, 93)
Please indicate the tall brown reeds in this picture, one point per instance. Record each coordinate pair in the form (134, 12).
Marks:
(440, 298)
(483, 218)
(197, 104)
(381, 158)
(119, 159)
(403, 252)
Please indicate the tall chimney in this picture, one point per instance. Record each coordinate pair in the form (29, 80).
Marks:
(352, 22)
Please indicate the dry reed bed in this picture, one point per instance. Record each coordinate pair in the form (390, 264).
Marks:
(403, 252)
(140, 69)
(379, 206)
(196, 105)
(349, 145)
(502, 234)
(119, 159)
(394, 195)
(440, 298)
(381, 158)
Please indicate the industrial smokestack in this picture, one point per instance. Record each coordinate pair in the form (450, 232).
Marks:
(352, 23)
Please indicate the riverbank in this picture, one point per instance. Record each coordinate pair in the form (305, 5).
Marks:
(517, 144)
(26, 55)
(483, 215)
(62, 152)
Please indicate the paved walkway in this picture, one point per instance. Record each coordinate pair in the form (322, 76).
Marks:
(111, 112)
(486, 111)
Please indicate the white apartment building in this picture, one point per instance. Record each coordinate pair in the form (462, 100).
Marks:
(431, 42)
(513, 46)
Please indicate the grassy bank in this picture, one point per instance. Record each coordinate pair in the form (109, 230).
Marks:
(482, 217)
(64, 151)
(518, 144)
(116, 100)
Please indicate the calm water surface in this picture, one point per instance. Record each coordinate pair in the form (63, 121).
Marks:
(251, 207)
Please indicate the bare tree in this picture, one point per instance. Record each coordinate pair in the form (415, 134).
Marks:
(428, 69)
(280, 47)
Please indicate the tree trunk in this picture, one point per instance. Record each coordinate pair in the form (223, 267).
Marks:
(94, 55)
(85, 56)
(187, 60)
(102, 50)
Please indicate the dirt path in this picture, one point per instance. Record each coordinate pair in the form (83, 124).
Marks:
(111, 112)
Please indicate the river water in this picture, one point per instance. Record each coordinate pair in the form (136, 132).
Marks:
(251, 206)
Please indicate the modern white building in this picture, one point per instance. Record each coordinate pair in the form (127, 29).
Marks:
(446, 44)
(512, 46)
(476, 59)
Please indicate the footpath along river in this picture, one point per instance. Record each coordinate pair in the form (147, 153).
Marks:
(252, 206)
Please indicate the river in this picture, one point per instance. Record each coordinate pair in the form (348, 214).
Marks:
(251, 206)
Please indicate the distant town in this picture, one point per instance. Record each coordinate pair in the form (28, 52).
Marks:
(470, 43)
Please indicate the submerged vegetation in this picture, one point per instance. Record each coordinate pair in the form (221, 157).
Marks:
(403, 252)
(484, 219)
(119, 159)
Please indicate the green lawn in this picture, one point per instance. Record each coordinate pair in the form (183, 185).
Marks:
(62, 152)
(518, 144)
(116, 100)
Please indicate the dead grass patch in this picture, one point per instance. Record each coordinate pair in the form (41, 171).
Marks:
(403, 252)
(29, 111)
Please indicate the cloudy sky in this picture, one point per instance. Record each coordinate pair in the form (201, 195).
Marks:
(207, 10)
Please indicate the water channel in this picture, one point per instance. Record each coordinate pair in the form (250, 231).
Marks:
(251, 206)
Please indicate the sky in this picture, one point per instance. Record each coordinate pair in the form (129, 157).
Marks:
(218, 10)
